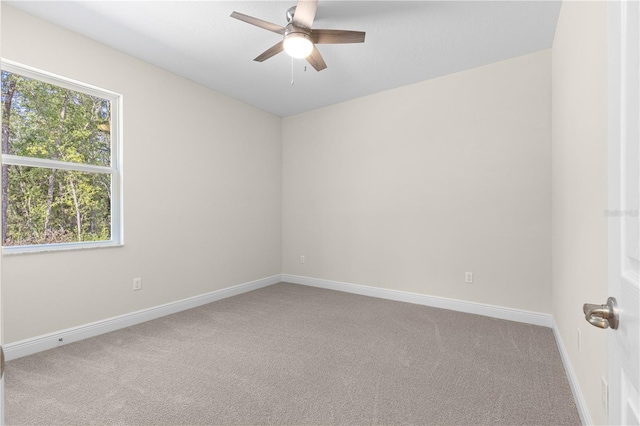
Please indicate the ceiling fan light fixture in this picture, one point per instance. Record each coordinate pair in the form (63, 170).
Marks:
(299, 39)
(298, 45)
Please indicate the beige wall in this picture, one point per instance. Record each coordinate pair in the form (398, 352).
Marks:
(579, 188)
(409, 188)
(202, 192)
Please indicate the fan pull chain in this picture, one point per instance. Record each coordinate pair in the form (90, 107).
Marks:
(292, 82)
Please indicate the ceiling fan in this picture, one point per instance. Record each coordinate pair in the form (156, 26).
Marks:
(298, 38)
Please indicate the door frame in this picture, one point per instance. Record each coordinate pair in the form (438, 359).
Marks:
(618, 21)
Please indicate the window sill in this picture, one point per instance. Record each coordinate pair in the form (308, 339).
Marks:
(48, 248)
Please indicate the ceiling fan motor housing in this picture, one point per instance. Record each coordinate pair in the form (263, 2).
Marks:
(293, 31)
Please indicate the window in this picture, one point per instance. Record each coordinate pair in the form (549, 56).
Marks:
(61, 177)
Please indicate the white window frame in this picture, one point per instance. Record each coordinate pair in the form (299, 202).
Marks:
(115, 170)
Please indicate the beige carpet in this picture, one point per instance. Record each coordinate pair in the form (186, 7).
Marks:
(289, 354)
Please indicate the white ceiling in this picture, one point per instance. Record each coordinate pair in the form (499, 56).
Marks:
(406, 42)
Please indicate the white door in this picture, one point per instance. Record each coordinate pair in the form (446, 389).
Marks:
(624, 195)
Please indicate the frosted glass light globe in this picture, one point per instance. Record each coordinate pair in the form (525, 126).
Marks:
(298, 45)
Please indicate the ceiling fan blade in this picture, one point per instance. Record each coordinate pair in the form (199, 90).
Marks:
(305, 13)
(258, 22)
(315, 59)
(272, 51)
(337, 36)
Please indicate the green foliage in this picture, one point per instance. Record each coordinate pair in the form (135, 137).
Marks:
(42, 205)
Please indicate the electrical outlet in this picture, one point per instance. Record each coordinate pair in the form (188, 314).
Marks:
(605, 395)
(579, 340)
(301, 259)
(468, 277)
(137, 284)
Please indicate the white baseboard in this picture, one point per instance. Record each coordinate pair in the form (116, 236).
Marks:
(535, 318)
(52, 340)
(578, 397)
